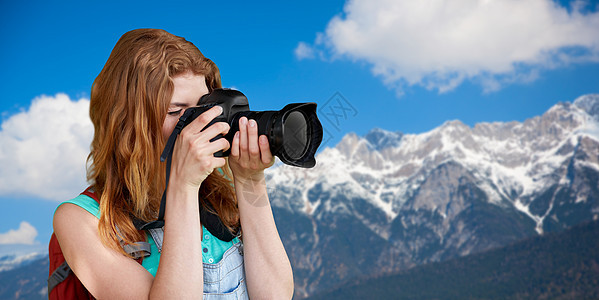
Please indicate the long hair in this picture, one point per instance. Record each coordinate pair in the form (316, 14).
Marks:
(129, 102)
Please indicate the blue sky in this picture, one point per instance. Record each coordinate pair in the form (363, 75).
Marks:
(405, 68)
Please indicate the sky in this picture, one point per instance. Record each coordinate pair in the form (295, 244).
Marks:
(400, 65)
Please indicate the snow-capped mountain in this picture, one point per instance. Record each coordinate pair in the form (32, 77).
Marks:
(23, 271)
(388, 201)
(17, 255)
(10, 262)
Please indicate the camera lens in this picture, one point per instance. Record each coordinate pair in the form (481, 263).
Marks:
(295, 138)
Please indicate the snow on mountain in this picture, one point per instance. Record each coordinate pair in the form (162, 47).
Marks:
(10, 262)
(589, 103)
(16, 255)
(511, 161)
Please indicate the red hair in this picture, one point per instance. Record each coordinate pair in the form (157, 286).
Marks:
(129, 102)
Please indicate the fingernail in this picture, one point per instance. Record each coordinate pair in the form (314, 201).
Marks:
(221, 109)
(252, 123)
(263, 139)
(244, 120)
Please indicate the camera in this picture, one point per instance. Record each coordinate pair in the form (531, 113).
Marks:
(294, 132)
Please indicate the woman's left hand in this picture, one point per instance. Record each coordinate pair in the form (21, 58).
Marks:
(250, 154)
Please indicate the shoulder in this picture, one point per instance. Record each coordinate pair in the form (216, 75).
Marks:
(75, 214)
(73, 223)
(76, 220)
(105, 272)
(75, 230)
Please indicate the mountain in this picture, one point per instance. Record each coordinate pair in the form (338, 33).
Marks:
(28, 280)
(387, 201)
(561, 265)
(14, 256)
(23, 271)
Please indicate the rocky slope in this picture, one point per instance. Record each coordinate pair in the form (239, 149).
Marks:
(389, 201)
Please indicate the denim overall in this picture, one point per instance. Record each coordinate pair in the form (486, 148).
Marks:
(222, 280)
(226, 279)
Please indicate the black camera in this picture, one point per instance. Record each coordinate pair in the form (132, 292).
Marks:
(294, 132)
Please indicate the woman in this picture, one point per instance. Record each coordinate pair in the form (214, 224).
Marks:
(149, 79)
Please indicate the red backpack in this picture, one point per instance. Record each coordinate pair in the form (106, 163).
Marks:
(62, 282)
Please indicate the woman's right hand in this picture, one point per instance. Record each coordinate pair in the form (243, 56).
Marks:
(193, 154)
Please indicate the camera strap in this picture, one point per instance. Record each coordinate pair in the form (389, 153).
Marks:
(167, 154)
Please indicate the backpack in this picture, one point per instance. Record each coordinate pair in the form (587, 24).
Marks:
(63, 283)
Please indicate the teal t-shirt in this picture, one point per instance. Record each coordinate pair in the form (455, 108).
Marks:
(212, 247)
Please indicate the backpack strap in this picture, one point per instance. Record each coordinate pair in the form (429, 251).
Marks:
(158, 237)
(58, 276)
(136, 250)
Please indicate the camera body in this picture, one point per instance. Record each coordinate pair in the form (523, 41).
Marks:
(294, 132)
(234, 104)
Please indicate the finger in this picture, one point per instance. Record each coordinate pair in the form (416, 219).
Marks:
(235, 145)
(265, 154)
(253, 147)
(218, 162)
(243, 138)
(204, 119)
(214, 130)
(218, 145)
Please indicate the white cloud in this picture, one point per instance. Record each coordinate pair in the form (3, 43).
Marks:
(439, 44)
(43, 150)
(26, 234)
(303, 51)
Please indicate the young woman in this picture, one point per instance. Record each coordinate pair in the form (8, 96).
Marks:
(150, 78)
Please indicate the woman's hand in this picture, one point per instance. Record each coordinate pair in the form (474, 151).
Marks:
(193, 155)
(250, 154)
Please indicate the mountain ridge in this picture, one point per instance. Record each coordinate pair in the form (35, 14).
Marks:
(439, 149)
(566, 266)
(452, 191)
